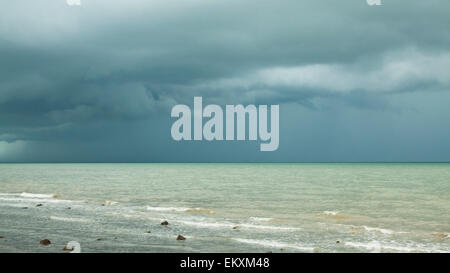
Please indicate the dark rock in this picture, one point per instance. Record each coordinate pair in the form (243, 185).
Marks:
(1, 237)
(99, 239)
(181, 238)
(39, 205)
(164, 223)
(236, 227)
(337, 242)
(45, 242)
(69, 208)
(149, 231)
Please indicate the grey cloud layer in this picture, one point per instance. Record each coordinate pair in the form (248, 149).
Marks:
(74, 73)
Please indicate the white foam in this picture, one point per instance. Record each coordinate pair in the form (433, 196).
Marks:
(180, 209)
(206, 224)
(375, 229)
(274, 244)
(200, 210)
(330, 212)
(36, 195)
(176, 209)
(251, 226)
(203, 224)
(260, 219)
(70, 219)
(377, 246)
(34, 200)
(382, 230)
(110, 203)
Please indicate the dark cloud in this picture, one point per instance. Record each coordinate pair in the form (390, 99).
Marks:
(97, 81)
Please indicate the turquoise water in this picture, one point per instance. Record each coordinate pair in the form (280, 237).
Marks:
(226, 207)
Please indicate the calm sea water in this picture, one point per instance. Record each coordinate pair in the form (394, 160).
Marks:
(226, 207)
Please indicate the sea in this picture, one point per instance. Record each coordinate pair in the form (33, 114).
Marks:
(226, 207)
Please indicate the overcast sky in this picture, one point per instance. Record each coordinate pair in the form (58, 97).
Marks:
(96, 82)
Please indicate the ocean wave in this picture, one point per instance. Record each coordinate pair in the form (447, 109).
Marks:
(180, 209)
(13, 205)
(109, 203)
(35, 200)
(202, 224)
(261, 219)
(206, 224)
(333, 214)
(38, 195)
(200, 210)
(252, 226)
(31, 195)
(374, 229)
(7, 194)
(274, 244)
(70, 219)
(26, 198)
(377, 246)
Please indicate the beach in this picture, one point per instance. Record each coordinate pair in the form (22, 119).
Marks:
(239, 207)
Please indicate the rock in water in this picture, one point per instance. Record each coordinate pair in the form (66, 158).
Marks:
(164, 223)
(39, 205)
(1, 237)
(45, 242)
(181, 238)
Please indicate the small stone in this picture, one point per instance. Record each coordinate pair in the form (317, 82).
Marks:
(337, 242)
(45, 242)
(99, 239)
(39, 205)
(181, 238)
(164, 223)
(236, 227)
(69, 208)
(1, 237)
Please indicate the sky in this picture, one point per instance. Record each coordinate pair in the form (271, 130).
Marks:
(96, 82)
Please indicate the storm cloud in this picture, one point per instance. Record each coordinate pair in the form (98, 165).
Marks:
(96, 82)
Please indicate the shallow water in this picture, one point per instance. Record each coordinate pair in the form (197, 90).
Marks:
(226, 207)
